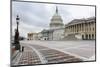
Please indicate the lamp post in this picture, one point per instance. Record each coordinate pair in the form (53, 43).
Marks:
(16, 37)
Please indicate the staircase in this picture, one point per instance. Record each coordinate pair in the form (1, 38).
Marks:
(70, 37)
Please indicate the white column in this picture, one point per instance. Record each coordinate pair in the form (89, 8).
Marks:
(73, 28)
(84, 27)
(81, 27)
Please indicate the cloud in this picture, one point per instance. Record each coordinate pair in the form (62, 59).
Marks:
(29, 14)
(36, 16)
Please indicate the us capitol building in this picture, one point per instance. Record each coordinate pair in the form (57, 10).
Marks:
(77, 29)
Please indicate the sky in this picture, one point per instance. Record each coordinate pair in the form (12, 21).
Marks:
(34, 17)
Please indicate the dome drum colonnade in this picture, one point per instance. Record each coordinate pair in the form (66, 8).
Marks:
(56, 21)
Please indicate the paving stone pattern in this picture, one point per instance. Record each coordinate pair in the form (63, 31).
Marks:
(29, 56)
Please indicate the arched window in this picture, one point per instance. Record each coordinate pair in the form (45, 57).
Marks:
(86, 36)
(83, 37)
(92, 36)
(93, 28)
(89, 36)
(45, 38)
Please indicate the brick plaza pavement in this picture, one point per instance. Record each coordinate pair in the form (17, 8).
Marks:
(29, 57)
(35, 54)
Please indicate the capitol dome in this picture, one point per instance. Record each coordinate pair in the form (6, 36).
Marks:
(56, 21)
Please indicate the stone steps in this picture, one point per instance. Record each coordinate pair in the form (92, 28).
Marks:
(70, 37)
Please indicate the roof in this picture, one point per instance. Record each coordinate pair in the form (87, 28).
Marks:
(32, 33)
(83, 20)
(56, 18)
(46, 31)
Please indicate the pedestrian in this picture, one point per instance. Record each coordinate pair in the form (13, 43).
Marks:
(22, 48)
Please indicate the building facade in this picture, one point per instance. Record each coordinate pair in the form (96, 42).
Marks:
(81, 28)
(39, 36)
(32, 36)
(45, 34)
(58, 34)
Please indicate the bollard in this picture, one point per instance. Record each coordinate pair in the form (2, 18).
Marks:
(22, 48)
